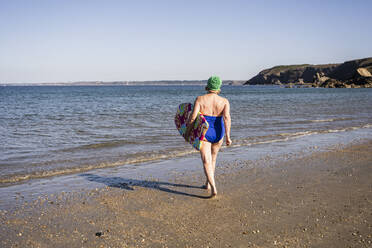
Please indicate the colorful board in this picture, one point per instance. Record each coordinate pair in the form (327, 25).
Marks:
(198, 129)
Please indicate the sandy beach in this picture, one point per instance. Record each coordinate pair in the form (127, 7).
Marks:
(100, 101)
(318, 199)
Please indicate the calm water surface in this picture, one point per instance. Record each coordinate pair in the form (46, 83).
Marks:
(54, 130)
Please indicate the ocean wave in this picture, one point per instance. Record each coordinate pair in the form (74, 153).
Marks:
(295, 135)
(102, 145)
(311, 121)
(16, 178)
(330, 120)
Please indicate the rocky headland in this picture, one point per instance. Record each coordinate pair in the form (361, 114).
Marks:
(350, 74)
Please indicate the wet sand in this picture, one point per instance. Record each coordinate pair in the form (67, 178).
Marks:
(318, 199)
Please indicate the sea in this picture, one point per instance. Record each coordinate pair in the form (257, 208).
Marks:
(49, 131)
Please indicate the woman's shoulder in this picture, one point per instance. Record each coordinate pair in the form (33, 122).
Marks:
(202, 97)
(207, 97)
(223, 99)
(199, 98)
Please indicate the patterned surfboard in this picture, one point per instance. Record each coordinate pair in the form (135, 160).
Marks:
(199, 127)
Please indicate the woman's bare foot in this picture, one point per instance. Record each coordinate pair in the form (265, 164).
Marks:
(206, 186)
(213, 194)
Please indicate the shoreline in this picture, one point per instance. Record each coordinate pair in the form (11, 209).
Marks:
(19, 179)
(14, 195)
(318, 198)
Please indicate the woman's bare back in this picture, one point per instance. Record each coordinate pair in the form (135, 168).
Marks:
(211, 104)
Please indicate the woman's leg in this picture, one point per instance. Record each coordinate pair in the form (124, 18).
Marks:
(214, 152)
(206, 156)
(215, 149)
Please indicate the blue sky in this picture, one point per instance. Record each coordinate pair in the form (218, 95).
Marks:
(62, 41)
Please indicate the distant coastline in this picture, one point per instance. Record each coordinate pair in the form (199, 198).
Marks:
(125, 83)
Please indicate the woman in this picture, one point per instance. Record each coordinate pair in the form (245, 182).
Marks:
(216, 110)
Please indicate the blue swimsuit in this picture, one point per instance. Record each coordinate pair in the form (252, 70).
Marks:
(216, 129)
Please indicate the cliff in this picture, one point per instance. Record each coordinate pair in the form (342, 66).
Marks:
(350, 74)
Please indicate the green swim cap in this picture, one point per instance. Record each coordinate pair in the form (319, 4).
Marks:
(214, 83)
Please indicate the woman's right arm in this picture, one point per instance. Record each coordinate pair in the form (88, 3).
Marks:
(227, 122)
(192, 117)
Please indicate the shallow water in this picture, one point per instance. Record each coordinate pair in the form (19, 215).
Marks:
(55, 130)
